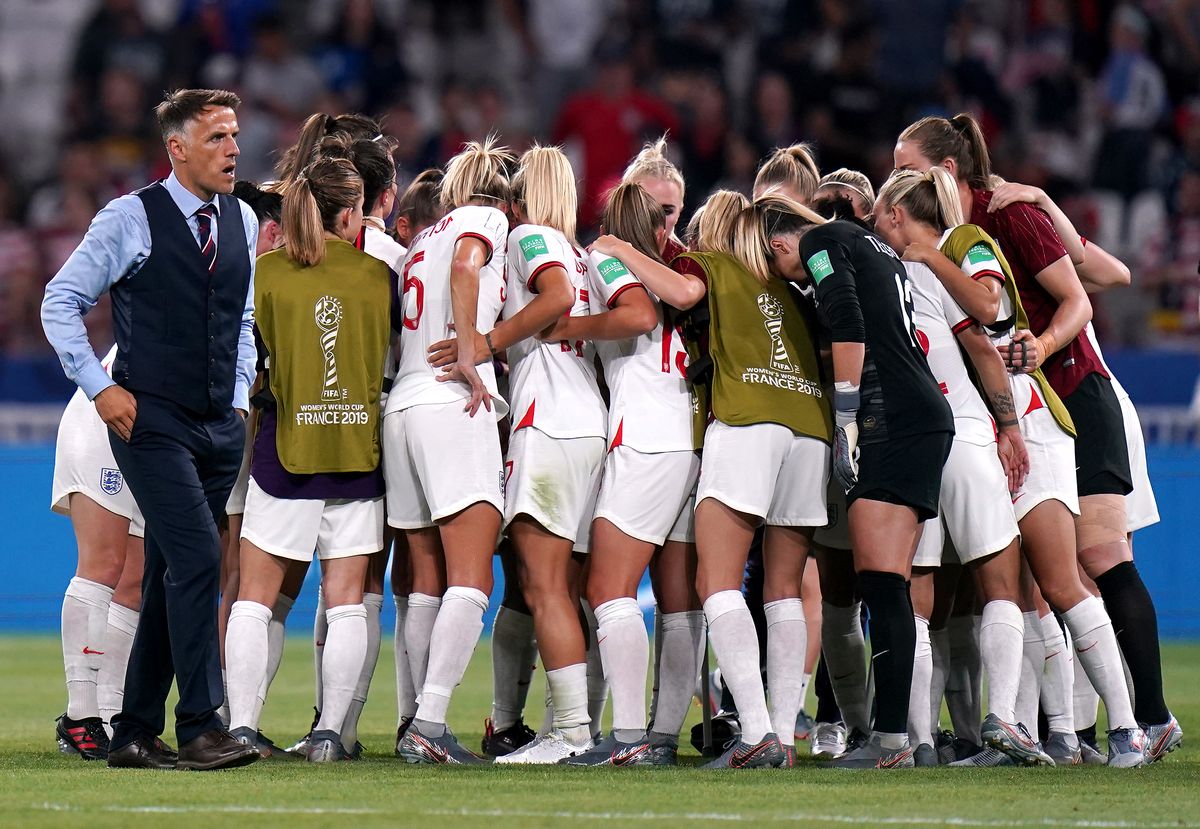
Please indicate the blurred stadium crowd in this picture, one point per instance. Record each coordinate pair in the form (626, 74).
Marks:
(1097, 102)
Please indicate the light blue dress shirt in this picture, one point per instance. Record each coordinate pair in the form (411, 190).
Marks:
(115, 247)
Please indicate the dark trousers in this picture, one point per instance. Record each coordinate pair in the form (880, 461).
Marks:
(180, 468)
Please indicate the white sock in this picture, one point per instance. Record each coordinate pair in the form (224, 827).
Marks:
(1096, 647)
(110, 681)
(84, 624)
(406, 694)
(920, 726)
(962, 678)
(453, 640)
(320, 635)
(418, 627)
(787, 647)
(735, 643)
(597, 684)
(1086, 700)
(548, 716)
(939, 644)
(223, 711)
(246, 651)
(846, 657)
(373, 602)
(1033, 660)
(568, 690)
(624, 651)
(657, 666)
(805, 681)
(1001, 638)
(1058, 679)
(511, 666)
(276, 633)
(345, 652)
(682, 652)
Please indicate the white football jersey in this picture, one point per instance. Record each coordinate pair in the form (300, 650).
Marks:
(383, 247)
(428, 314)
(552, 385)
(939, 319)
(650, 404)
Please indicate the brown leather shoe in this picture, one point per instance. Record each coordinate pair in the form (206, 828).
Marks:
(216, 749)
(143, 753)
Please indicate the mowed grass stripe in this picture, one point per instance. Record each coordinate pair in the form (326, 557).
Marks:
(40, 788)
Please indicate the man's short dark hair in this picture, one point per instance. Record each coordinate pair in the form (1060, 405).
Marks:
(265, 203)
(183, 105)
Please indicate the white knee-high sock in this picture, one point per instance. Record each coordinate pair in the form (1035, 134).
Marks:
(597, 683)
(963, 677)
(1033, 660)
(920, 725)
(1086, 700)
(320, 635)
(511, 666)
(1001, 639)
(567, 688)
(406, 694)
(110, 682)
(787, 645)
(1096, 647)
(548, 701)
(373, 602)
(939, 645)
(1058, 679)
(682, 651)
(731, 629)
(624, 650)
(84, 623)
(846, 656)
(246, 650)
(418, 628)
(276, 631)
(455, 634)
(345, 652)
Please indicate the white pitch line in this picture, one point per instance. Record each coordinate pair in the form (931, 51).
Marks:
(730, 817)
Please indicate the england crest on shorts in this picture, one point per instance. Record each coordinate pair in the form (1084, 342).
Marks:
(111, 481)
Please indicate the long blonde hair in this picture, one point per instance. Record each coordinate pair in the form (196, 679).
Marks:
(544, 186)
(633, 215)
(479, 170)
(930, 197)
(791, 167)
(652, 162)
(770, 215)
(711, 229)
(312, 203)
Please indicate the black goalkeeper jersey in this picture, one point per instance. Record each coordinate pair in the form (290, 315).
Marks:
(863, 295)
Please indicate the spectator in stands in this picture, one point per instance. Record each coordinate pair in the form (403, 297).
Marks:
(610, 121)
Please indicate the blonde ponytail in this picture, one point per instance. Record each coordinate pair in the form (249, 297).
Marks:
(931, 198)
(716, 220)
(791, 167)
(652, 162)
(312, 203)
(480, 170)
(545, 187)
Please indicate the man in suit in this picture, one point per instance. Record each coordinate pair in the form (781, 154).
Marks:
(177, 258)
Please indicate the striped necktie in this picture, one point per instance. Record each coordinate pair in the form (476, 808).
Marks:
(208, 242)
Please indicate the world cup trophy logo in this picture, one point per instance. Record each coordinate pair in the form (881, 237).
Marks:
(328, 314)
(772, 309)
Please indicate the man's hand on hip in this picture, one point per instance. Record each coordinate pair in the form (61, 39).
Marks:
(117, 408)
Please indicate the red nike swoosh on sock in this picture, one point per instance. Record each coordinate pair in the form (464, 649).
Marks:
(89, 652)
(1088, 648)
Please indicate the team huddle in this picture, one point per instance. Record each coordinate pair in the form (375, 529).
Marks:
(902, 385)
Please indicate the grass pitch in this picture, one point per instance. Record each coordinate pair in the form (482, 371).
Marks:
(41, 788)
